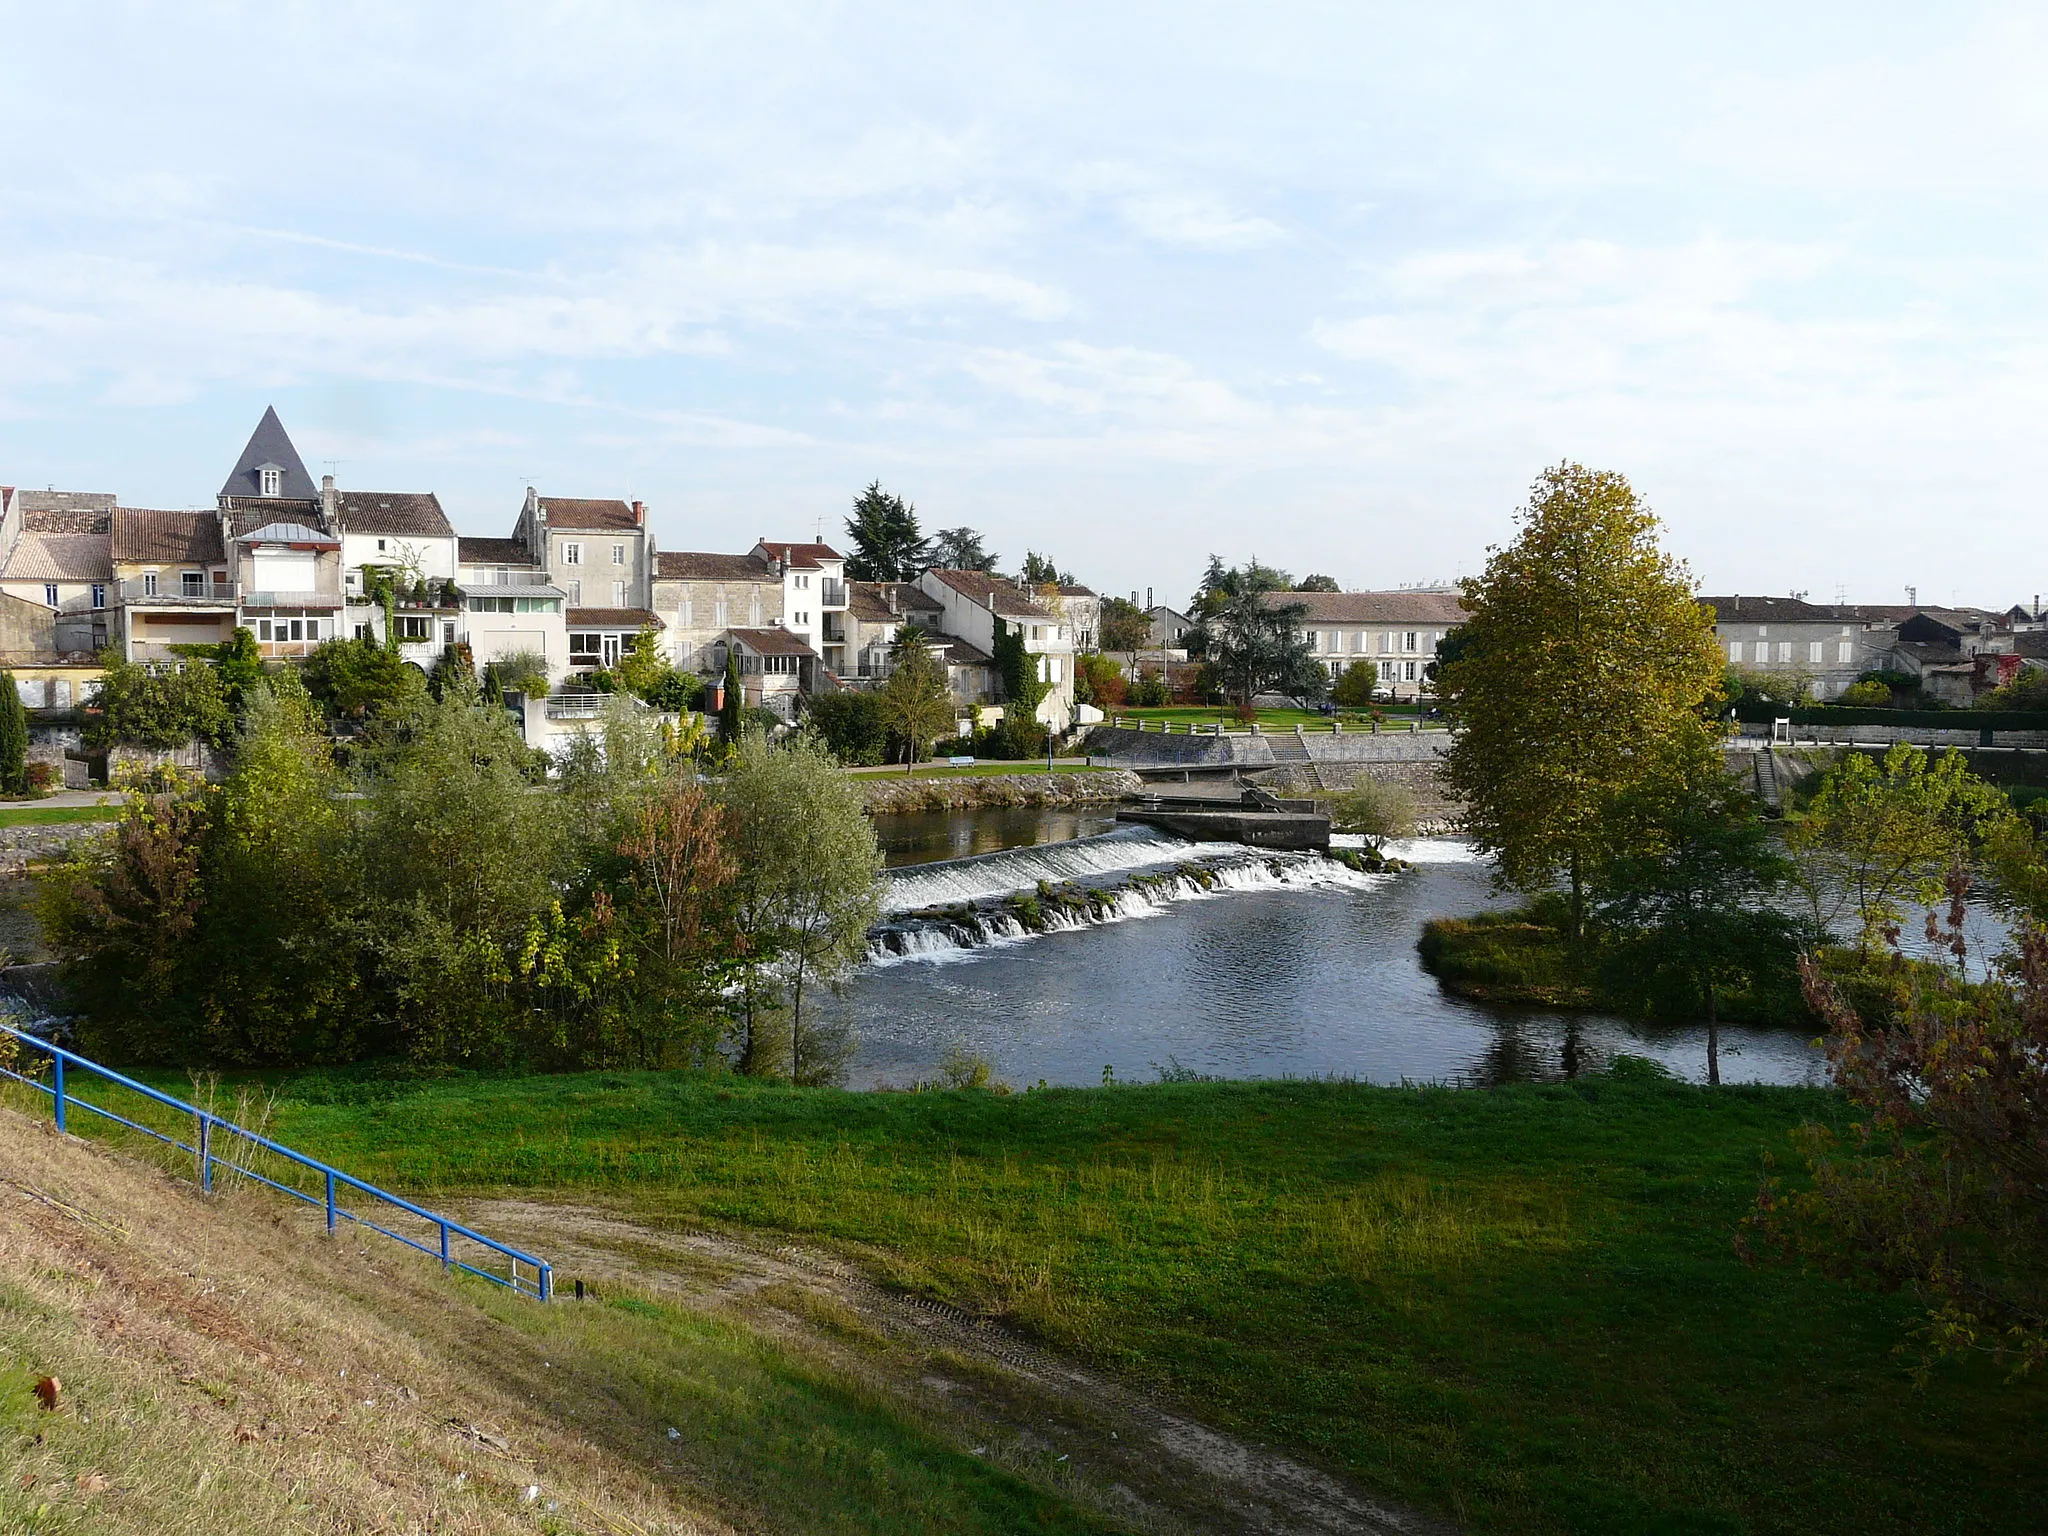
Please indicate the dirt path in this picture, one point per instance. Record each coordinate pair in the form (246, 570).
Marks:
(998, 1395)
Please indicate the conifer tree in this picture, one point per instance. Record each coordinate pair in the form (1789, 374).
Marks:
(13, 738)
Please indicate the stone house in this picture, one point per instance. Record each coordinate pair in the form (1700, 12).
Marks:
(878, 611)
(978, 607)
(1399, 632)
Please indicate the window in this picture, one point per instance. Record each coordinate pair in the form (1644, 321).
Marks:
(576, 593)
(803, 582)
(50, 593)
(192, 583)
(802, 619)
(686, 611)
(540, 605)
(380, 546)
(718, 613)
(1408, 644)
(415, 626)
(618, 554)
(682, 652)
(1845, 651)
(362, 631)
(490, 605)
(572, 554)
(1762, 630)
(447, 631)
(273, 481)
(582, 648)
(781, 664)
(618, 594)
(1735, 651)
(99, 595)
(312, 630)
(1407, 671)
(1813, 649)
(149, 583)
(1784, 650)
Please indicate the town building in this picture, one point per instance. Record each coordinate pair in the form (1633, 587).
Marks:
(1399, 632)
(879, 611)
(979, 608)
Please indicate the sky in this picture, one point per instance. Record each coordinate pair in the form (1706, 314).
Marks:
(1328, 284)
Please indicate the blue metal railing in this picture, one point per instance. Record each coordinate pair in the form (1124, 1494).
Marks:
(208, 1127)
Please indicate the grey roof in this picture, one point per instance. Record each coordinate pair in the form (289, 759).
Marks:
(59, 557)
(415, 514)
(695, 565)
(479, 551)
(613, 618)
(269, 444)
(64, 501)
(1417, 608)
(868, 601)
(513, 589)
(286, 533)
(65, 520)
(994, 592)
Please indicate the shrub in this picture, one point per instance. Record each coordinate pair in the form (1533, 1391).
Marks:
(1377, 809)
(851, 727)
(42, 778)
(1149, 692)
(158, 705)
(1099, 681)
(1354, 689)
(1865, 694)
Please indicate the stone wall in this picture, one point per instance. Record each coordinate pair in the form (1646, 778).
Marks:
(1154, 749)
(21, 847)
(886, 793)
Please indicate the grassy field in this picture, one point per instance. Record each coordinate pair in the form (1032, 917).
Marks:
(1518, 1306)
(1269, 719)
(55, 815)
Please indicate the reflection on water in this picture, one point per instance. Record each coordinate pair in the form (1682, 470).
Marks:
(1266, 983)
(924, 837)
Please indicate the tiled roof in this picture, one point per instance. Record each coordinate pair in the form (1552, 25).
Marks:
(959, 652)
(64, 501)
(868, 601)
(411, 514)
(493, 552)
(689, 565)
(1066, 590)
(66, 520)
(59, 557)
(1372, 607)
(993, 591)
(270, 444)
(146, 536)
(772, 642)
(805, 557)
(612, 618)
(576, 512)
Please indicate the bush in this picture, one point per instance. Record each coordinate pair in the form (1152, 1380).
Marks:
(851, 727)
(1868, 695)
(42, 778)
(1012, 739)
(1149, 692)
(1354, 689)
(1099, 681)
(157, 705)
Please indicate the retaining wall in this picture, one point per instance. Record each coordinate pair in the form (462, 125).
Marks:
(886, 794)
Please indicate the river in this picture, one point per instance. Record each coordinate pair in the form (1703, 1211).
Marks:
(1288, 968)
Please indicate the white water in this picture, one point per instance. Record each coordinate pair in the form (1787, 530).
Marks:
(1418, 850)
(1233, 868)
(1020, 869)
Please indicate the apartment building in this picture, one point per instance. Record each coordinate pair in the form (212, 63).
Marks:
(1399, 632)
(979, 608)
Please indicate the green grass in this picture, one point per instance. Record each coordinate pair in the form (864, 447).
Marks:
(55, 815)
(1519, 1306)
(976, 770)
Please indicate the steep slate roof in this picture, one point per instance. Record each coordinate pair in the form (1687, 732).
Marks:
(66, 520)
(804, 557)
(269, 444)
(494, 552)
(993, 591)
(689, 565)
(573, 513)
(772, 642)
(404, 513)
(1372, 607)
(613, 618)
(59, 557)
(868, 601)
(145, 536)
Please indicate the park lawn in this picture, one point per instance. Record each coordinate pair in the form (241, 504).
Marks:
(978, 770)
(55, 815)
(1520, 1306)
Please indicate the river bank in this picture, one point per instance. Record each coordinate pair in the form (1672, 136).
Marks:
(888, 795)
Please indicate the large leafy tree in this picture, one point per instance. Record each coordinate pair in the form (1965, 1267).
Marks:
(961, 549)
(1583, 666)
(158, 705)
(1256, 645)
(1125, 626)
(1040, 571)
(1317, 583)
(1879, 834)
(887, 545)
(916, 704)
(1222, 584)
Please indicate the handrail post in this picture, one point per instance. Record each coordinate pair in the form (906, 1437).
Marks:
(205, 1152)
(58, 1062)
(444, 1245)
(547, 1282)
(330, 1199)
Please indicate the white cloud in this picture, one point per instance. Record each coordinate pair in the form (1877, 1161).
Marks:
(1199, 223)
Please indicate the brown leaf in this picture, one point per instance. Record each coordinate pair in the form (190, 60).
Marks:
(47, 1392)
(91, 1482)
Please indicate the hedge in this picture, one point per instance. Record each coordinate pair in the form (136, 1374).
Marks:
(1913, 719)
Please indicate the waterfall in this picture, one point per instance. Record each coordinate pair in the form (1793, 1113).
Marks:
(1005, 916)
(1022, 869)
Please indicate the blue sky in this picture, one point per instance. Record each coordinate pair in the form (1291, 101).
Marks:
(1324, 283)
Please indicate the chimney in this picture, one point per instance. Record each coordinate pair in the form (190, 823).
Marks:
(327, 497)
(639, 514)
(889, 595)
(1148, 597)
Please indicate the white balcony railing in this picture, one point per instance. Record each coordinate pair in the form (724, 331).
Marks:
(173, 591)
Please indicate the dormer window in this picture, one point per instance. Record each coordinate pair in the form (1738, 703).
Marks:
(273, 481)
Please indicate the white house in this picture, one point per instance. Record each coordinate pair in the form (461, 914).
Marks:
(979, 607)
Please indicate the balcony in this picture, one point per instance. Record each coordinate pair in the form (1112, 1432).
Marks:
(173, 592)
(835, 629)
(575, 705)
(831, 594)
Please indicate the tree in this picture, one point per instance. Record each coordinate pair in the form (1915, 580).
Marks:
(1125, 627)
(1865, 695)
(807, 892)
(1040, 572)
(2028, 691)
(1317, 584)
(1876, 835)
(1222, 584)
(157, 705)
(886, 543)
(1687, 901)
(917, 705)
(1584, 660)
(240, 666)
(1018, 669)
(1378, 810)
(524, 672)
(1354, 686)
(13, 738)
(353, 679)
(642, 668)
(1257, 646)
(851, 725)
(734, 702)
(1099, 680)
(1940, 1186)
(960, 549)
